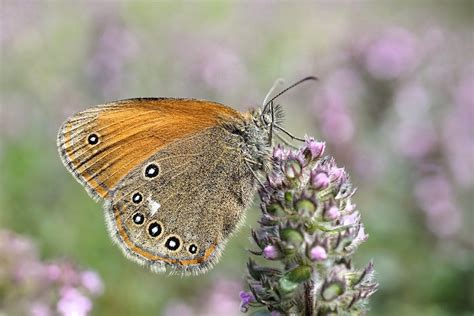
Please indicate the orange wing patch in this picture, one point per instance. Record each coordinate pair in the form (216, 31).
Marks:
(101, 145)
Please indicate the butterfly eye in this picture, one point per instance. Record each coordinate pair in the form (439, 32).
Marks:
(138, 218)
(137, 197)
(192, 249)
(173, 243)
(93, 139)
(151, 170)
(154, 229)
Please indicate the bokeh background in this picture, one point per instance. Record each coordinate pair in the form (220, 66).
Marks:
(395, 104)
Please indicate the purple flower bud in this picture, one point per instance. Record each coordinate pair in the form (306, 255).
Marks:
(279, 153)
(319, 180)
(275, 180)
(351, 219)
(313, 149)
(336, 174)
(271, 252)
(293, 168)
(349, 207)
(318, 253)
(361, 235)
(332, 213)
(245, 299)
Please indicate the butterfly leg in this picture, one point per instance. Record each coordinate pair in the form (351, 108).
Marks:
(285, 141)
(253, 172)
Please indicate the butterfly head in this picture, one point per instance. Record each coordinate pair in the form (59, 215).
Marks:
(270, 116)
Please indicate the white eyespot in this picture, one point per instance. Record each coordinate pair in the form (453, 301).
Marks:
(137, 197)
(192, 249)
(173, 243)
(93, 139)
(151, 171)
(155, 229)
(138, 218)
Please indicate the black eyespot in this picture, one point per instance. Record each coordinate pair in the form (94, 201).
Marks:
(138, 218)
(193, 248)
(154, 229)
(137, 197)
(172, 243)
(93, 139)
(151, 170)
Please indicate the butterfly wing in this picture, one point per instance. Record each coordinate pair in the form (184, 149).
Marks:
(181, 213)
(100, 145)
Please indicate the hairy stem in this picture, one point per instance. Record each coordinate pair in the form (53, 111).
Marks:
(308, 298)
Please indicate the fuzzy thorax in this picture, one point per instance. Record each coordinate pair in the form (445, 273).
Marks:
(256, 142)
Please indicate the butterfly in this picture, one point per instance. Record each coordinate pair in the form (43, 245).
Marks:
(176, 175)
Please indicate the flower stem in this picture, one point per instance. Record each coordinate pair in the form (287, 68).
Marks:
(308, 298)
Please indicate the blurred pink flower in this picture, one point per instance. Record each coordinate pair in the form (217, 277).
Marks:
(40, 309)
(412, 101)
(415, 134)
(19, 20)
(219, 299)
(391, 55)
(114, 46)
(36, 288)
(178, 308)
(337, 98)
(223, 298)
(92, 282)
(220, 67)
(73, 303)
(69, 274)
(446, 223)
(17, 246)
(415, 141)
(464, 92)
(458, 133)
(29, 272)
(53, 271)
(335, 120)
(434, 195)
(349, 83)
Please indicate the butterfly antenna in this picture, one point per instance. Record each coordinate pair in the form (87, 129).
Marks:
(277, 82)
(266, 104)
